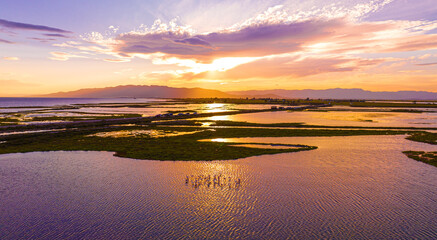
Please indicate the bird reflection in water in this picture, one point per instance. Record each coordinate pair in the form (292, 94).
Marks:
(212, 181)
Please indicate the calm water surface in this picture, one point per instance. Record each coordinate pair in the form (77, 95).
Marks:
(28, 102)
(340, 118)
(351, 187)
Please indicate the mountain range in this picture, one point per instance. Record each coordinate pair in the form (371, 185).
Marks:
(144, 91)
(340, 93)
(141, 91)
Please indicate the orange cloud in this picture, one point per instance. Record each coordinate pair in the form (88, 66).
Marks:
(270, 45)
(11, 58)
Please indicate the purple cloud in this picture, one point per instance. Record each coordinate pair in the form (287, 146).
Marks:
(25, 26)
(193, 41)
(55, 35)
(5, 41)
(43, 40)
(251, 41)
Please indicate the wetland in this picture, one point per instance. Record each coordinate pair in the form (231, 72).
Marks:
(217, 168)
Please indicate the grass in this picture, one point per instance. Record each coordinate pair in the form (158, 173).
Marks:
(393, 105)
(426, 137)
(352, 103)
(9, 120)
(80, 118)
(399, 110)
(426, 157)
(227, 123)
(184, 147)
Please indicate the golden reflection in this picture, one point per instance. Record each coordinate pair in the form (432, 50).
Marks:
(355, 116)
(220, 118)
(215, 105)
(206, 124)
(212, 180)
(220, 140)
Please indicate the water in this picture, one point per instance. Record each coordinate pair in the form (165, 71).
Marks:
(339, 118)
(158, 109)
(357, 187)
(32, 102)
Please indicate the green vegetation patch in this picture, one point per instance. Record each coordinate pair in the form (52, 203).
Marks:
(183, 147)
(426, 157)
(227, 123)
(389, 104)
(352, 103)
(81, 118)
(426, 137)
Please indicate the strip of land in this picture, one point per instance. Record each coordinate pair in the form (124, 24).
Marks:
(179, 147)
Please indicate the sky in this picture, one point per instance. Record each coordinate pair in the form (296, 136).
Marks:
(380, 45)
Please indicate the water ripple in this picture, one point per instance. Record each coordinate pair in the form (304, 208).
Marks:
(351, 187)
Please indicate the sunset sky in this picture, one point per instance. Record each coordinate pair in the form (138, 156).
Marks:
(51, 45)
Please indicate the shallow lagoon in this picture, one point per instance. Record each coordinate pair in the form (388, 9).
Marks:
(160, 109)
(339, 118)
(351, 187)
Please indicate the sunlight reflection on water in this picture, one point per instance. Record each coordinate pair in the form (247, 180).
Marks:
(351, 187)
(363, 119)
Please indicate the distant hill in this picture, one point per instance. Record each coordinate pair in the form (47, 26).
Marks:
(339, 93)
(141, 91)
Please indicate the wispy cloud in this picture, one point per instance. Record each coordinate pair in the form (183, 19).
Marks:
(271, 68)
(11, 58)
(5, 41)
(275, 31)
(26, 26)
(15, 83)
(426, 64)
(43, 40)
(273, 44)
(116, 60)
(63, 56)
(56, 35)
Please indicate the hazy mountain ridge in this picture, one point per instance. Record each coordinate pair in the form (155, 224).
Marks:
(340, 93)
(143, 91)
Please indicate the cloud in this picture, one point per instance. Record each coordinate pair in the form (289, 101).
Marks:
(43, 40)
(15, 83)
(425, 56)
(116, 60)
(63, 56)
(11, 58)
(288, 67)
(272, 35)
(55, 35)
(25, 26)
(251, 41)
(426, 64)
(273, 44)
(5, 41)
(274, 31)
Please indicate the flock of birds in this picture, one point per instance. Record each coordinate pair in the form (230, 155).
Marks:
(212, 181)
